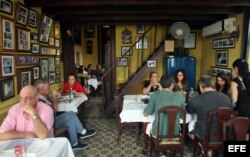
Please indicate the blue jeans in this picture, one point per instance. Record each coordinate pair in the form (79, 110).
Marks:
(71, 122)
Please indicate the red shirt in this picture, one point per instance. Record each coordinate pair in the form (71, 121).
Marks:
(76, 86)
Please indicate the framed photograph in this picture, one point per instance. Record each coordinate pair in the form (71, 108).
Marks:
(7, 89)
(127, 51)
(58, 70)
(57, 30)
(89, 31)
(34, 36)
(6, 6)
(58, 78)
(57, 61)
(21, 14)
(52, 78)
(24, 77)
(221, 58)
(151, 63)
(27, 60)
(44, 68)
(169, 46)
(142, 43)
(122, 61)
(23, 39)
(57, 43)
(224, 43)
(51, 64)
(217, 70)
(48, 51)
(35, 48)
(190, 41)
(126, 36)
(140, 29)
(35, 73)
(51, 41)
(32, 20)
(7, 40)
(7, 65)
(45, 28)
(58, 52)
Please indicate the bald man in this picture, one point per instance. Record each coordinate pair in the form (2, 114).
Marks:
(29, 118)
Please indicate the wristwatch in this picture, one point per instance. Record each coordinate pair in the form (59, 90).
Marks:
(35, 117)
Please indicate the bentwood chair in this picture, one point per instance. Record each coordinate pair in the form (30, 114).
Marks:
(214, 138)
(236, 129)
(169, 141)
(122, 126)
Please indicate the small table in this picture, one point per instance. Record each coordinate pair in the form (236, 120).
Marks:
(73, 105)
(56, 147)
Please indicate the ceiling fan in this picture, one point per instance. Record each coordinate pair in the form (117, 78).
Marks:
(179, 30)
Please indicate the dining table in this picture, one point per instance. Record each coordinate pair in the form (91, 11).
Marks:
(66, 105)
(34, 147)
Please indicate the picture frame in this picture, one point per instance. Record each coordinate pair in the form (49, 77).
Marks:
(44, 68)
(51, 64)
(7, 65)
(51, 41)
(58, 70)
(36, 73)
(32, 20)
(221, 58)
(57, 61)
(169, 46)
(57, 43)
(6, 6)
(142, 43)
(35, 48)
(224, 43)
(122, 61)
(57, 30)
(58, 78)
(216, 70)
(190, 41)
(24, 59)
(151, 63)
(45, 29)
(58, 52)
(89, 31)
(52, 78)
(21, 14)
(126, 36)
(126, 51)
(7, 33)
(23, 39)
(34, 36)
(47, 51)
(140, 29)
(7, 89)
(24, 77)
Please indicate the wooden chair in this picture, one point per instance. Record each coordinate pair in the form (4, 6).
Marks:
(214, 140)
(236, 129)
(171, 141)
(121, 126)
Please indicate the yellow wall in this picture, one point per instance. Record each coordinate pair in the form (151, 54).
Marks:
(89, 58)
(208, 53)
(5, 105)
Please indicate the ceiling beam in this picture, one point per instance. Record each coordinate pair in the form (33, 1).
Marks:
(53, 3)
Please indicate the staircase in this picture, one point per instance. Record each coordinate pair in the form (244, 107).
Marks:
(133, 79)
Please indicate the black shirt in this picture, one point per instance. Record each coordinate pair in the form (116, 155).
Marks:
(152, 89)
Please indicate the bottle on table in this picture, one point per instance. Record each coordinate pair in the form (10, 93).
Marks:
(71, 94)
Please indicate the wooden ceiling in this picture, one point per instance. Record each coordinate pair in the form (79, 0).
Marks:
(197, 13)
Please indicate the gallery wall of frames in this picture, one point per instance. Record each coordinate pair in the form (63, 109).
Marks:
(29, 48)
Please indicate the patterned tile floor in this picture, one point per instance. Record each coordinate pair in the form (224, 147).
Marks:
(104, 143)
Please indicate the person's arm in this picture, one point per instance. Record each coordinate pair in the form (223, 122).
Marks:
(147, 87)
(234, 92)
(9, 135)
(65, 88)
(55, 100)
(79, 89)
(41, 130)
(149, 110)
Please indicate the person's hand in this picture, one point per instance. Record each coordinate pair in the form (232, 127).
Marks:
(29, 109)
(159, 85)
(75, 92)
(54, 94)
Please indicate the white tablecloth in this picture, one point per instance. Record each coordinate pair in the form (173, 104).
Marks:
(132, 110)
(73, 105)
(53, 147)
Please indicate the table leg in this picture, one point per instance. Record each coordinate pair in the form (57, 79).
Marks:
(145, 149)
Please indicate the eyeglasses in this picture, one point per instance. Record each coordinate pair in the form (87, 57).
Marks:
(26, 98)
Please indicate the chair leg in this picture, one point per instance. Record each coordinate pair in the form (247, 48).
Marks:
(119, 133)
(194, 149)
(137, 134)
(151, 147)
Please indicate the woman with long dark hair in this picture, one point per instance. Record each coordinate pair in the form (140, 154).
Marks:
(240, 87)
(180, 80)
(223, 83)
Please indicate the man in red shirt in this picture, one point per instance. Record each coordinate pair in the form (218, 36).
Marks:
(76, 86)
